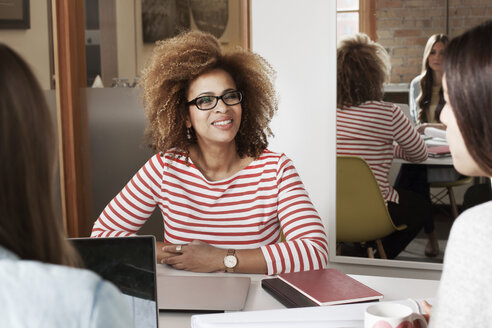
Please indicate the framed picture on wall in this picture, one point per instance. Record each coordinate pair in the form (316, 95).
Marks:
(14, 14)
(227, 20)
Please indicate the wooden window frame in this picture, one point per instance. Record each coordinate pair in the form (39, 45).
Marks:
(367, 17)
(70, 77)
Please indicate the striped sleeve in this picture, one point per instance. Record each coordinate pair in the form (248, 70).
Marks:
(129, 210)
(306, 245)
(410, 145)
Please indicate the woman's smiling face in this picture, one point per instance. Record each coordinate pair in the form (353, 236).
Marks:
(220, 124)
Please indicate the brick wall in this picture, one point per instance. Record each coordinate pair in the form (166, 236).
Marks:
(403, 27)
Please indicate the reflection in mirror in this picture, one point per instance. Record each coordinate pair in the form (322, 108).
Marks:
(403, 30)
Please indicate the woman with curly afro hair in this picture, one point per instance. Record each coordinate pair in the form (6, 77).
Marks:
(227, 202)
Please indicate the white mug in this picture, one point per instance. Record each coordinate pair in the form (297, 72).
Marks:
(392, 315)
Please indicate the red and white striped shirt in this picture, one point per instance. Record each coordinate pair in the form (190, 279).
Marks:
(247, 210)
(378, 131)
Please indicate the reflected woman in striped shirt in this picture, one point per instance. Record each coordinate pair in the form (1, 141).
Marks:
(378, 131)
(225, 199)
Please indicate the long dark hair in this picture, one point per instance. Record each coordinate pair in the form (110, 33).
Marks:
(427, 81)
(468, 71)
(28, 224)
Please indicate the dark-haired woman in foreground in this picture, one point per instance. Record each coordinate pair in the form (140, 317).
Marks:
(465, 293)
(40, 285)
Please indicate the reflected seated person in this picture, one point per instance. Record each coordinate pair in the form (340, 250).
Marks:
(225, 198)
(426, 102)
(378, 131)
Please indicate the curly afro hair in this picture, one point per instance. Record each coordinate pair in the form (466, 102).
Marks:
(362, 68)
(176, 62)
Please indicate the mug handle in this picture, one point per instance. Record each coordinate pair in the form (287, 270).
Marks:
(416, 316)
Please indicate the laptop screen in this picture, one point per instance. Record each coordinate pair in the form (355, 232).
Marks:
(129, 263)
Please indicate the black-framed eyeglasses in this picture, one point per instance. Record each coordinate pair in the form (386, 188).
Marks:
(229, 98)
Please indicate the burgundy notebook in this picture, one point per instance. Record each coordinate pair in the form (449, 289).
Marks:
(329, 287)
(439, 151)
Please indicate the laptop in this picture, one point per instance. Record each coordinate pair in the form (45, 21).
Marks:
(202, 293)
(129, 263)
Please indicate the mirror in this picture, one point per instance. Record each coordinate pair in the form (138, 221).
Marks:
(403, 30)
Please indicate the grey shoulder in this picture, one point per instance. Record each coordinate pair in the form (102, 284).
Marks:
(476, 218)
(482, 212)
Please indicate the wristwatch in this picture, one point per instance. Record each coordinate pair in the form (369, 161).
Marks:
(230, 260)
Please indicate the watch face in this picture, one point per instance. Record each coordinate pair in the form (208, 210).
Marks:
(230, 261)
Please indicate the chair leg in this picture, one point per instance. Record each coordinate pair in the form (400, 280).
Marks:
(370, 252)
(339, 248)
(438, 198)
(452, 200)
(381, 251)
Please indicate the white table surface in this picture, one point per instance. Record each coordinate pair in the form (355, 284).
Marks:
(258, 299)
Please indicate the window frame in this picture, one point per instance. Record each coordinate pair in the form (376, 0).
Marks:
(367, 17)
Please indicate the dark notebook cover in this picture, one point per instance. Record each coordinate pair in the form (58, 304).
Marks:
(286, 294)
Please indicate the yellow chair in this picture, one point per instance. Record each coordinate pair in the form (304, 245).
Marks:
(362, 215)
(448, 190)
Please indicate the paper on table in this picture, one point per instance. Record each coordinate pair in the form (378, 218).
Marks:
(435, 133)
(346, 315)
(435, 137)
(436, 142)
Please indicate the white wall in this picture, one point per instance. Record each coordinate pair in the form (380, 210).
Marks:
(299, 39)
(126, 37)
(294, 37)
(33, 44)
